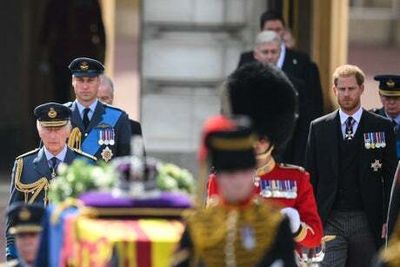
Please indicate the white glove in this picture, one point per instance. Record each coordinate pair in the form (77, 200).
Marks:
(294, 218)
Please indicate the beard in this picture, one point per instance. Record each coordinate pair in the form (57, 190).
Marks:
(349, 105)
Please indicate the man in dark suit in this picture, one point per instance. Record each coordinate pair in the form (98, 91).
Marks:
(33, 170)
(106, 95)
(389, 92)
(292, 62)
(351, 159)
(100, 130)
(267, 50)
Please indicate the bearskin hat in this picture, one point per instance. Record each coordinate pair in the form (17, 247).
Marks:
(265, 94)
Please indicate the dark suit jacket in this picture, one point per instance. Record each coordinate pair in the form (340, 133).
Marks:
(122, 128)
(35, 166)
(298, 64)
(322, 163)
(294, 151)
(295, 62)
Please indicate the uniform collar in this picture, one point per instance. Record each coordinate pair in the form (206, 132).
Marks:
(82, 107)
(60, 156)
(396, 119)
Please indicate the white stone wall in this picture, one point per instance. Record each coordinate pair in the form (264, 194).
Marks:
(188, 49)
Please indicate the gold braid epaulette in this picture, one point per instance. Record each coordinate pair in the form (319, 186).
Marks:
(75, 139)
(35, 188)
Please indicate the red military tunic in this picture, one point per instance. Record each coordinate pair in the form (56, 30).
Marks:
(289, 186)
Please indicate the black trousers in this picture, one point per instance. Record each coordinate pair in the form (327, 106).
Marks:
(354, 243)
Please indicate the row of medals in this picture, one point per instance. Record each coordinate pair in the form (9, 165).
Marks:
(278, 188)
(106, 137)
(374, 140)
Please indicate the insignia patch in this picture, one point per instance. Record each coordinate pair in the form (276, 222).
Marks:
(103, 125)
(52, 113)
(376, 165)
(390, 83)
(24, 215)
(84, 66)
(106, 154)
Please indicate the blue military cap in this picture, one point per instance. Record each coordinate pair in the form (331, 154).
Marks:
(86, 67)
(389, 85)
(52, 114)
(25, 217)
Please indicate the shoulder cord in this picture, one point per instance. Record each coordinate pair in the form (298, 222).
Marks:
(35, 188)
(75, 139)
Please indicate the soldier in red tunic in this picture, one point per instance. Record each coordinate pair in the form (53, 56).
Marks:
(286, 185)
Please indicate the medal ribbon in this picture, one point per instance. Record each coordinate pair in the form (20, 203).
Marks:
(90, 145)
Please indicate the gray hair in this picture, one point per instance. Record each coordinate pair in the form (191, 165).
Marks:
(267, 37)
(104, 79)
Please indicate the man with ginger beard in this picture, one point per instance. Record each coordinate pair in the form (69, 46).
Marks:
(351, 159)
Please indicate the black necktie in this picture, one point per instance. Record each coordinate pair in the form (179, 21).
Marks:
(348, 134)
(86, 117)
(54, 163)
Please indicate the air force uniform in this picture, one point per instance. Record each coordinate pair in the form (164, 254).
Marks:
(33, 171)
(108, 132)
(24, 218)
(389, 86)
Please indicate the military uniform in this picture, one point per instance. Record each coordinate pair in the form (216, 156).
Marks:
(32, 171)
(254, 234)
(233, 231)
(25, 219)
(288, 186)
(389, 86)
(108, 132)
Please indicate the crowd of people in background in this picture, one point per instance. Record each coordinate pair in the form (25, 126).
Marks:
(281, 175)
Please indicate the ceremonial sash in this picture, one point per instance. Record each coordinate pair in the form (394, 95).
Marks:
(91, 145)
